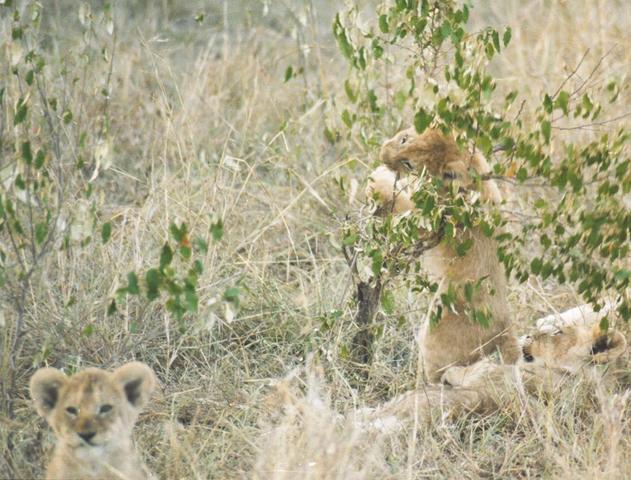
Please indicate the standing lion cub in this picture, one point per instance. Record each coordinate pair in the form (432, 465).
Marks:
(92, 414)
(456, 339)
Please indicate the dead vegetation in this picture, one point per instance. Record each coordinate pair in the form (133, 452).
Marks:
(203, 125)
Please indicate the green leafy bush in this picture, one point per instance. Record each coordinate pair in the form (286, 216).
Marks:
(575, 227)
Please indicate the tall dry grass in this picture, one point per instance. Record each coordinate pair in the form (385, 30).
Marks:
(203, 126)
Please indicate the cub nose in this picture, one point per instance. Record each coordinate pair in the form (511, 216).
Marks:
(87, 436)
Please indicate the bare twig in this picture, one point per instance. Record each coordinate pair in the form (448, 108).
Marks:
(572, 73)
(595, 124)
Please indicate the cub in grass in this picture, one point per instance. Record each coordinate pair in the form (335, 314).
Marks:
(547, 359)
(92, 414)
(456, 339)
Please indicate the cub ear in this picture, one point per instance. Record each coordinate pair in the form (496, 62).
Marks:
(606, 347)
(138, 382)
(44, 388)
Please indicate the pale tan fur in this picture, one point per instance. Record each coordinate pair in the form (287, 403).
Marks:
(392, 195)
(456, 339)
(547, 360)
(92, 414)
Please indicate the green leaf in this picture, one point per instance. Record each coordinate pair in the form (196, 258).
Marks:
(422, 119)
(289, 73)
(19, 182)
(445, 30)
(522, 174)
(587, 103)
(106, 232)
(88, 330)
(459, 58)
(507, 36)
(387, 302)
(377, 262)
(191, 299)
(232, 295)
(372, 100)
(201, 244)
(339, 32)
(468, 291)
(329, 135)
(383, 24)
(350, 239)
(41, 230)
(489, 51)
(111, 309)
(546, 130)
(66, 116)
(152, 278)
(419, 26)
(547, 103)
(179, 233)
(482, 318)
(20, 111)
(484, 143)
(536, 265)
(540, 203)
(29, 77)
(496, 40)
(622, 275)
(562, 101)
(216, 230)
(463, 247)
(132, 284)
(174, 305)
(352, 96)
(27, 155)
(604, 324)
(166, 256)
(185, 252)
(40, 158)
(346, 118)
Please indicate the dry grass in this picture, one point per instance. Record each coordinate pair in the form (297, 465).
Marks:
(203, 126)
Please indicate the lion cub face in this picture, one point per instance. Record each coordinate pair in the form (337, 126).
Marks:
(438, 155)
(572, 346)
(568, 348)
(433, 151)
(93, 408)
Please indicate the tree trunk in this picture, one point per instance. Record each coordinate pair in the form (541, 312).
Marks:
(367, 305)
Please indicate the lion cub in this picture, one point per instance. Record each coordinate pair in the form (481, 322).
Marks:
(546, 360)
(92, 414)
(456, 339)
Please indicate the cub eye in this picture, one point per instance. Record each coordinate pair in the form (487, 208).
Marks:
(105, 408)
(449, 175)
(72, 411)
(404, 139)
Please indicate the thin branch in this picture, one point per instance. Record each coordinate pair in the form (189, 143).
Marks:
(595, 124)
(572, 73)
(593, 72)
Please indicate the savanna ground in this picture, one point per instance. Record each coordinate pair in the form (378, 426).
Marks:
(204, 124)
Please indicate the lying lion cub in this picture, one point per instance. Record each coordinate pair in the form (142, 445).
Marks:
(547, 357)
(92, 414)
(456, 339)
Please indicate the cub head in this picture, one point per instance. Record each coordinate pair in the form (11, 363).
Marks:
(439, 155)
(94, 407)
(573, 346)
